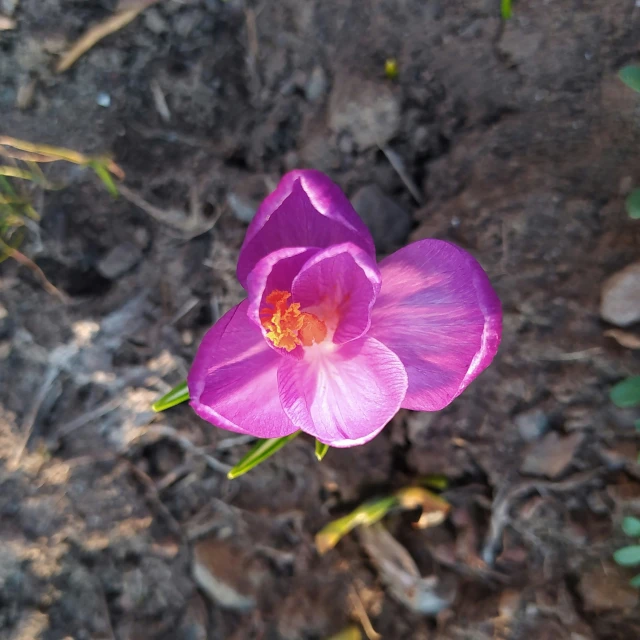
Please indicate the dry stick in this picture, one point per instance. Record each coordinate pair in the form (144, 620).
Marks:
(27, 427)
(100, 31)
(362, 615)
(27, 262)
(88, 417)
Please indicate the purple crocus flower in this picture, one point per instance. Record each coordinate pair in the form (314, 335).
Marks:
(328, 341)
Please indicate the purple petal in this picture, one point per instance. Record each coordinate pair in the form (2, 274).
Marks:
(339, 285)
(345, 395)
(233, 379)
(438, 312)
(275, 271)
(306, 210)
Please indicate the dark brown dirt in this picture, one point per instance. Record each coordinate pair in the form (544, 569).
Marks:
(522, 143)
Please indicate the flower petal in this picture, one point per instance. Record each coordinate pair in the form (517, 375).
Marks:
(275, 271)
(306, 210)
(345, 395)
(438, 312)
(233, 379)
(339, 285)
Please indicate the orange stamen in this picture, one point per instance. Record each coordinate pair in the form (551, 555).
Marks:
(288, 327)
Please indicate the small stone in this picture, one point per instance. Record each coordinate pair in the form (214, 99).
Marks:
(388, 222)
(519, 46)
(319, 152)
(369, 110)
(119, 260)
(552, 456)
(246, 196)
(291, 160)
(154, 21)
(8, 7)
(103, 99)
(620, 303)
(26, 93)
(316, 86)
(142, 237)
(532, 425)
(606, 588)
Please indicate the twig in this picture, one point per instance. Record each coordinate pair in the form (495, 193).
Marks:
(18, 256)
(575, 356)
(160, 101)
(396, 163)
(361, 614)
(100, 31)
(27, 427)
(170, 433)
(505, 500)
(229, 443)
(153, 497)
(190, 226)
(88, 417)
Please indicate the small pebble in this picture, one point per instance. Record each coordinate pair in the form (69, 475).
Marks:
(103, 99)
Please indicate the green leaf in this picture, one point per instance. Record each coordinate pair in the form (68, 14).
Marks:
(632, 204)
(434, 511)
(104, 175)
(635, 582)
(435, 481)
(626, 394)
(628, 556)
(631, 526)
(366, 514)
(321, 449)
(630, 75)
(263, 450)
(506, 9)
(177, 395)
(350, 633)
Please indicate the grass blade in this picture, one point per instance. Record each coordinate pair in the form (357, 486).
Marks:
(366, 514)
(263, 450)
(177, 395)
(505, 9)
(630, 75)
(321, 450)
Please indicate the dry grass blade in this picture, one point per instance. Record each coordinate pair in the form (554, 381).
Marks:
(624, 338)
(27, 262)
(100, 31)
(30, 152)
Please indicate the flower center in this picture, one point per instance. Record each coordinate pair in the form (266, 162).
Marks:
(287, 326)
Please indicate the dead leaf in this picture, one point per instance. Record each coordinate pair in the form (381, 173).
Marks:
(400, 574)
(434, 508)
(208, 572)
(624, 338)
(434, 511)
(96, 33)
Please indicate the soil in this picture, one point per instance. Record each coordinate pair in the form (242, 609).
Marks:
(519, 144)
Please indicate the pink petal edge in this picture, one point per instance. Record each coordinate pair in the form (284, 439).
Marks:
(233, 380)
(342, 277)
(439, 313)
(345, 396)
(305, 209)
